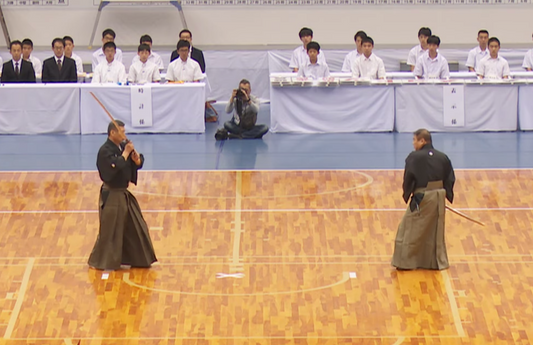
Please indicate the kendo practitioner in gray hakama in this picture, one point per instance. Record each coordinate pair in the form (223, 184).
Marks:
(123, 238)
(428, 181)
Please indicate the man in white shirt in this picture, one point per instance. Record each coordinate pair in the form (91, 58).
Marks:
(479, 52)
(528, 61)
(27, 49)
(154, 57)
(368, 65)
(419, 50)
(314, 69)
(184, 69)
(69, 47)
(142, 70)
(99, 56)
(432, 65)
(353, 55)
(299, 55)
(110, 70)
(493, 66)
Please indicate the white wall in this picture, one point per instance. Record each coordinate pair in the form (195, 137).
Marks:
(273, 25)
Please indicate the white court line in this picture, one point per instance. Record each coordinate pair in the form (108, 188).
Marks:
(253, 170)
(453, 304)
(267, 210)
(399, 341)
(20, 299)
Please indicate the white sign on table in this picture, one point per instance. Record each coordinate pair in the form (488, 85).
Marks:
(141, 106)
(454, 105)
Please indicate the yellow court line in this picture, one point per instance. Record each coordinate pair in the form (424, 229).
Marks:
(20, 299)
(255, 337)
(453, 304)
(237, 226)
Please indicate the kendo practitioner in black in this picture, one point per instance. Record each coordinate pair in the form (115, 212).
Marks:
(123, 238)
(428, 181)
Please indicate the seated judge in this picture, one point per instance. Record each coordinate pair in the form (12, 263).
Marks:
(528, 60)
(110, 70)
(69, 52)
(314, 68)
(419, 50)
(154, 57)
(27, 49)
(143, 71)
(368, 65)
(194, 53)
(184, 69)
(432, 65)
(493, 66)
(108, 35)
(59, 68)
(17, 70)
(299, 56)
(350, 58)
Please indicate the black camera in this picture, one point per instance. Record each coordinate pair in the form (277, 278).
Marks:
(240, 94)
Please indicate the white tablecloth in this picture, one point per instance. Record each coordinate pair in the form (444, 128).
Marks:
(487, 108)
(176, 108)
(36, 109)
(332, 109)
(525, 107)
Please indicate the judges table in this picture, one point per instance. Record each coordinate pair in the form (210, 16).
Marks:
(70, 108)
(331, 108)
(176, 108)
(36, 109)
(342, 104)
(485, 107)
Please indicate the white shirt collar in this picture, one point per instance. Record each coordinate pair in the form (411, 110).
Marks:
(479, 51)
(110, 63)
(62, 58)
(316, 64)
(370, 58)
(19, 62)
(435, 59)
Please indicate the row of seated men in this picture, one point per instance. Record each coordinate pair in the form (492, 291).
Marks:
(308, 60)
(187, 62)
(425, 60)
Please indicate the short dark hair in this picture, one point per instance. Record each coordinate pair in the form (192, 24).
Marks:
(183, 43)
(305, 32)
(143, 47)
(15, 43)
(68, 38)
(110, 45)
(434, 40)
(112, 127)
(361, 34)
(185, 31)
(27, 42)
(368, 39)
(424, 32)
(245, 82)
(423, 133)
(494, 39)
(57, 39)
(145, 38)
(313, 45)
(109, 32)
(482, 32)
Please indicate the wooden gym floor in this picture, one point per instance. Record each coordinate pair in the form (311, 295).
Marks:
(265, 257)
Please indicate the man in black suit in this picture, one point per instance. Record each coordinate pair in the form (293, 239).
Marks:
(195, 53)
(17, 70)
(59, 68)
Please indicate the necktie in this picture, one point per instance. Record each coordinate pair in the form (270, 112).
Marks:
(17, 71)
(59, 64)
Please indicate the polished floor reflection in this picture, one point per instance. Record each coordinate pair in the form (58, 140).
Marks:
(264, 257)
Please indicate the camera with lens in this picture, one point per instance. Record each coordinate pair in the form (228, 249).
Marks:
(240, 94)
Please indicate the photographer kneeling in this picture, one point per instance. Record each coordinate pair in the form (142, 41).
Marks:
(245, 107)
